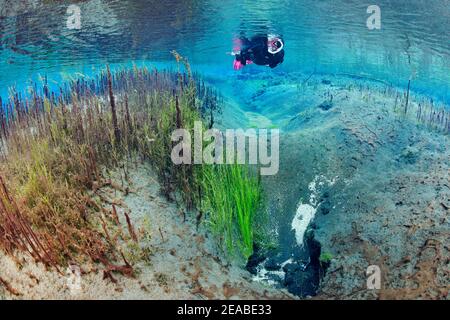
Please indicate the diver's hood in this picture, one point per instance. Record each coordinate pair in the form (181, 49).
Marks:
(275, 44)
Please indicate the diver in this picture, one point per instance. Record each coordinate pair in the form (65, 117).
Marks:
(261, 50)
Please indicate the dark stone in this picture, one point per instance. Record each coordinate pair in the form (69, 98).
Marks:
(301, 279)
(254, 260)
(289, 278)
(301, 285)
(314, 249)
(292, 272)
(291, 268)
(271, 265)
(325, 207)
(325, 210)
(409, 155)
(325, 195)
(325, 203)
(326, 105)
(309, 234)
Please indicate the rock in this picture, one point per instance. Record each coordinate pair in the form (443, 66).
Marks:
(289, 279)
(314, 250)
(326, 105)
(324, 210)
(291, 268)
(325, 195)
(272, 265)
(409, 155)
(325, 205)
(254, 260)
(301, 282)
(314, 226)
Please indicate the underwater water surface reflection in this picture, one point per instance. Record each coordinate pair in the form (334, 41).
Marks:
(355, 106)
(325, 36)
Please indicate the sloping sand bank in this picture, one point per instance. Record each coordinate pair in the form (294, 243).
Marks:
(377, 179)
(182, 262)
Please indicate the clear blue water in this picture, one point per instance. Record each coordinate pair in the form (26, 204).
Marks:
(322, 36)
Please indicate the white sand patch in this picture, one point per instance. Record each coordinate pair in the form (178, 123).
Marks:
(184, 264)
(263, 275)
(306, 211)
(305, 214)
(288, 261)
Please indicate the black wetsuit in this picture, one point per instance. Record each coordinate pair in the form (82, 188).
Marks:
(256, 50)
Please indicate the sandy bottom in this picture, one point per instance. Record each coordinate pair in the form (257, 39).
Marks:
(183, 263)
(389, 203)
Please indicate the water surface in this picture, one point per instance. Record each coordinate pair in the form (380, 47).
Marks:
(321, 36)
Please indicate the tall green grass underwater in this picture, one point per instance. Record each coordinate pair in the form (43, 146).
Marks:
(57, 150)
(232, 196)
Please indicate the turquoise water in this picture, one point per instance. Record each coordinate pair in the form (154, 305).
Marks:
(327, 39)
(320, 36)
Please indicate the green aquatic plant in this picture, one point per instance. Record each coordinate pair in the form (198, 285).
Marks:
(54, 153)
(57, 151)
(232, 197)
(325, 258)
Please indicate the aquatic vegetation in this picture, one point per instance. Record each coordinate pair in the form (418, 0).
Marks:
(55, 148)
(325, 258)
(407, 104)
(231, 197)
(16, 231)
(58, 147)
(424, 110)
(50, 167)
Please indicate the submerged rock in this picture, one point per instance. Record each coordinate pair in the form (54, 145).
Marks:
(254, 260)
(291, 268)
(302, 277)
(325, 209)
(272, 264)
(325, 203)
(326, 105)
(409, 155)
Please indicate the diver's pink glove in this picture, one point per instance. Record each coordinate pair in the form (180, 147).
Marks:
(237, 65)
